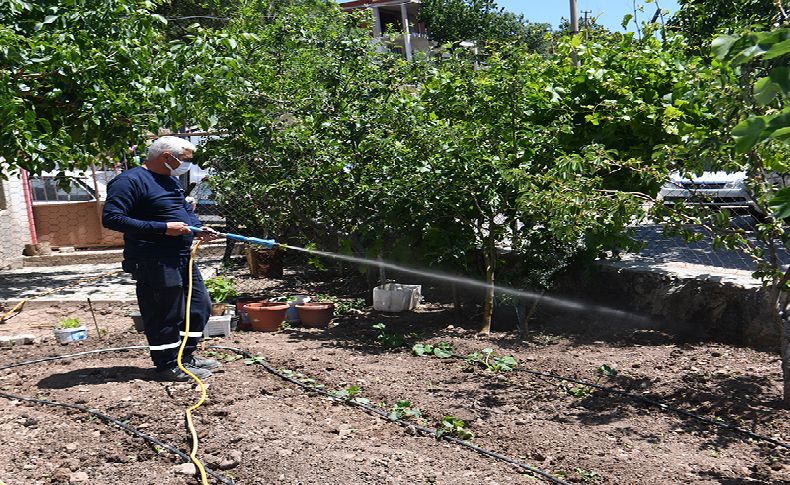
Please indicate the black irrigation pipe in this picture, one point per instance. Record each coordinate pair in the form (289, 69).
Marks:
(384, 415)
(66, 356)
(110, 420)
(660, 405)
(274, 371)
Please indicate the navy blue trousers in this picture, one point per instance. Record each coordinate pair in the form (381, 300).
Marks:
(162, 287)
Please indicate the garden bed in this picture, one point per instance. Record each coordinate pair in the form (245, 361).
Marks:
(263, 429)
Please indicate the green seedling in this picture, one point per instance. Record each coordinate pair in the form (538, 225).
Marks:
(442, 350)
(284, 325)
(223, 357)
(403, 410)
(604, 370)
(582, 391)
(588, 476)
(491, 363)
(298, 376)
(69, 322)
(350, 394)
(388, 340)
(254, 360)
(452, 426)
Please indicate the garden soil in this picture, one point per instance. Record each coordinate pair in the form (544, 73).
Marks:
(257, 428)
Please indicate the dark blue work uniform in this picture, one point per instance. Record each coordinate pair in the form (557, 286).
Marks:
(139, 204)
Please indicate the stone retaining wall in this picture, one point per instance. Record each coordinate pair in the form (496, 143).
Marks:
(687, 300)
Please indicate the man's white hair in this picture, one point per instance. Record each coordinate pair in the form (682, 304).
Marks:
(173, 144)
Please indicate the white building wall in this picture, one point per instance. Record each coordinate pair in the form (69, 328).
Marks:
(14, 229)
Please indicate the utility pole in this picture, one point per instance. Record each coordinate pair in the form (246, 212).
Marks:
(587, 24)
(574, 30)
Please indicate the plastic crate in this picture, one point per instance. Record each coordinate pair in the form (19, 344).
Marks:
(218, 326)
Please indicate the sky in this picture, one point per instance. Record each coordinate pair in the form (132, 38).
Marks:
(610, 13)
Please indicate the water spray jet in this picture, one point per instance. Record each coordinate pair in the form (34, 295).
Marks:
(639, 320)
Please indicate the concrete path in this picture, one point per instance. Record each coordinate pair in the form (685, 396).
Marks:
(18, 284)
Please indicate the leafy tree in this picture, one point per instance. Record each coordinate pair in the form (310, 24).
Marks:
(453, 21)
(699, 20)
(79, 82)
(764, 135)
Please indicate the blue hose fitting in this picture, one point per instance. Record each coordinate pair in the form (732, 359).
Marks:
(267, 243)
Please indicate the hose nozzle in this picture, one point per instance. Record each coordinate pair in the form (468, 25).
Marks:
(267, 243)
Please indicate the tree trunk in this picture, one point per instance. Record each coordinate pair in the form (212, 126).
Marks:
(456, 299)
(786, 359)
(523, 328)
(782, 304)
(490, 261)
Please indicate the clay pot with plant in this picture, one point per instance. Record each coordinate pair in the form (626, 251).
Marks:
(220, 289)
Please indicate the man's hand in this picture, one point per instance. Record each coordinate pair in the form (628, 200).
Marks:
(207, 234)
(177, 229)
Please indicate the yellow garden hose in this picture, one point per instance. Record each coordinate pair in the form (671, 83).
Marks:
(190, 425)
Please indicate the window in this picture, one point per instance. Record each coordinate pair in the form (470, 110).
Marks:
(46, 189)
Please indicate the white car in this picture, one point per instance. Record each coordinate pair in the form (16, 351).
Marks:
(721, 190)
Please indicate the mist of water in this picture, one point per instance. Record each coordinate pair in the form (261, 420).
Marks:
(568, 304)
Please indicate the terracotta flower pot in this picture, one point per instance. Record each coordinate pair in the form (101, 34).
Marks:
(316, 314)
(266, 316)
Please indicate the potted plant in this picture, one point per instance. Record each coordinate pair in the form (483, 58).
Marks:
(220, 290)
(266, 316)
(70, 330)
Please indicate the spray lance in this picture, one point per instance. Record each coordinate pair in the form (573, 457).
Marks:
(267, 243)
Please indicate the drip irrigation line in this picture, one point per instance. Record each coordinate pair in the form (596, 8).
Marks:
(110, 420)
(66, 356)
(383, 414)
(660, 405)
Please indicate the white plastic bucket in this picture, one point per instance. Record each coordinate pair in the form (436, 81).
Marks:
(394, 297)
(292, 315)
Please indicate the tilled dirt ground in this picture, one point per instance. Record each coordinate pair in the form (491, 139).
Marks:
(258, 428)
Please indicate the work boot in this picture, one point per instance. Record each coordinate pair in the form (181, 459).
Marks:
(202, 362)
(173, 373)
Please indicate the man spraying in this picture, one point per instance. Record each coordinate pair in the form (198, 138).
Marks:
(148, 206)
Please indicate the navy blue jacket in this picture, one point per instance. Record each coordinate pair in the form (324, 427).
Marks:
(139, 204)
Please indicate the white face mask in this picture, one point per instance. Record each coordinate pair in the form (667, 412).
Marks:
(181, 169)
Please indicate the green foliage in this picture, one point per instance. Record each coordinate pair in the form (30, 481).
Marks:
(403, 410)
(452, 426)
(699, 20)
(388, 340)
(442, 350)
(82, 81)
(490, 362)
(343, 306)
(454, 21)
(69, 322)
(220, 289)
